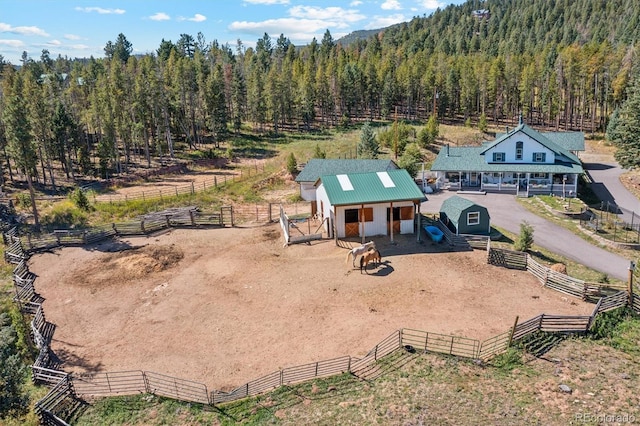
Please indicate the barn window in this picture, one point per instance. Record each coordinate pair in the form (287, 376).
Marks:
(406, 213)
(473, 218)
(351, 216)
(366, 214)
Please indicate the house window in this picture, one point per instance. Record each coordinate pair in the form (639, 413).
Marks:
(519, 148)
(539, 176)
(473, 218)
(496, 174)
(498, 157)
(366, 214)
(539, 157)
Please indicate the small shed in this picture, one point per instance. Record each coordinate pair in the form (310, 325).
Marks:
(463, 216)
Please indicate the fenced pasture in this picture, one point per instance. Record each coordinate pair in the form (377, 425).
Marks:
(64, 400)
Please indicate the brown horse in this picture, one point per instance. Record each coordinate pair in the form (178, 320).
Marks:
(372, 255)
(357, 251)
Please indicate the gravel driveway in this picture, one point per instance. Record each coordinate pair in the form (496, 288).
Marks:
(507, 213)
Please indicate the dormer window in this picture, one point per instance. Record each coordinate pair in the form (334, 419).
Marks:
(519, 149)
(498, 157)
(539, 157)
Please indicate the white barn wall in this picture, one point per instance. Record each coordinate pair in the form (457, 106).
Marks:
(308, 191)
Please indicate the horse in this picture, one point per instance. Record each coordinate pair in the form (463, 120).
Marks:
(372, 255)
(357, 251)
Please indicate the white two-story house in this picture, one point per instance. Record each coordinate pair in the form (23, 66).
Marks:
(522, 161)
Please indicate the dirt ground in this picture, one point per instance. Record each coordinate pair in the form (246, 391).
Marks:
(226, 306)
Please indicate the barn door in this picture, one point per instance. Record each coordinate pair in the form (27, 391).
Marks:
(351, 223)
(396, 221)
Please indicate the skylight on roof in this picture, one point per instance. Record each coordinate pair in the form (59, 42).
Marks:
(386, 180)
(344, 182)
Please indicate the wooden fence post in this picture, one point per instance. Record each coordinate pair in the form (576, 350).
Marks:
(193, 219)
(193, 190)
(632, 267)
(513, 330)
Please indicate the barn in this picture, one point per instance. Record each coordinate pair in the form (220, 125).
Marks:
(368, 204)
(317, 167)
(463, 216)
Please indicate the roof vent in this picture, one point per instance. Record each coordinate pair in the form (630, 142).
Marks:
(447, 150)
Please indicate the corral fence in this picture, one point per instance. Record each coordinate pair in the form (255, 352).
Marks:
(612, 222)
(188, 188)
(69, 391)
(549, 278)
(287, 225)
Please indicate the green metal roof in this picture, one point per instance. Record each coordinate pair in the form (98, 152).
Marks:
(470, 159)
(571, 141)
(320, 167)
(370, 188)
(454, 206)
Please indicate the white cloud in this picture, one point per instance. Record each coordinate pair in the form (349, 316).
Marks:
(54, 43)
(195, 18)
(80, 47)
(101, 10)
(332, 14)
(160, 16)
(28, 31)
(391, 5)
(355, 3)
(431, 4)
(267, 2)
(72, 37)
(384, 21)
(12, 43)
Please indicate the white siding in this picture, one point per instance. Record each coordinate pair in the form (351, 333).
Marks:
(508, 146)
(307, 191)
(379, 224)
(322, 201)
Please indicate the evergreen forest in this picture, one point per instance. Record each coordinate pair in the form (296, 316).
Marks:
(562, 64)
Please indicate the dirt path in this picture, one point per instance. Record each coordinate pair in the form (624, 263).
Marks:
(225, 306)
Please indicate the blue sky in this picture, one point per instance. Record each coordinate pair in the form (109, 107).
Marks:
(80, 28)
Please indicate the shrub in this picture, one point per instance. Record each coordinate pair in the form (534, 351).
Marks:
(525, 239)
(23, 200)
(13, 398)
(80, 199)
(292, 163)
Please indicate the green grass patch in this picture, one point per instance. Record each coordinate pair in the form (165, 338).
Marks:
(620, 329)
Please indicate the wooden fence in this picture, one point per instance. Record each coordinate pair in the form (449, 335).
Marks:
(61, 404)
(189, 188)
(549, 278)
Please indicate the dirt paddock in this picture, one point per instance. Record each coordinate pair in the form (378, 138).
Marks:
(225, 306)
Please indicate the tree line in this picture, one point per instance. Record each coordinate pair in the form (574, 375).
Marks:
(562, 64)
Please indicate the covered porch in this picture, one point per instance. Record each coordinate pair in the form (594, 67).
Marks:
(519, 183)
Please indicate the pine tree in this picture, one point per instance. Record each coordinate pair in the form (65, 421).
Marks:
(626, 132)
(18, 133)
(368, 146)
(525, 238)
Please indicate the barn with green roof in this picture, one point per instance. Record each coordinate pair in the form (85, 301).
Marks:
(317, 167)
(463, 216)
(368, 204)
